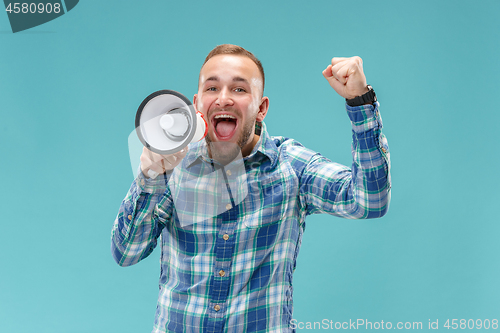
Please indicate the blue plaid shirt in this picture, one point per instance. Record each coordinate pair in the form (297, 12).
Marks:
(231, 270)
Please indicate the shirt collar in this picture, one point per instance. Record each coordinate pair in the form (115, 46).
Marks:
(265, 147)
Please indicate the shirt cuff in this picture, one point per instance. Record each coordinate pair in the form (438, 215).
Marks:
(364, 117)
(157, 185)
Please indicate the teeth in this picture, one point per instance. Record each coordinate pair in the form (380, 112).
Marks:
(220, 116)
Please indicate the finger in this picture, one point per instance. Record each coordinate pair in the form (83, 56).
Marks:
(334, 83)
(181, 154)
(358, 61)
(150, 156)
(146, 157)
(338, 66)
(337, 60)
(345, 72)
(157, 157)
(171, 159)
(158, 168)
(176, 158)
(337, 85)
(327, 72)
(339, 72)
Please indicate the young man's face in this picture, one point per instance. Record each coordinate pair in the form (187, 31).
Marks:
(229, 96)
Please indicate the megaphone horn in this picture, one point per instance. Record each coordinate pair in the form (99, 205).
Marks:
(167, 121)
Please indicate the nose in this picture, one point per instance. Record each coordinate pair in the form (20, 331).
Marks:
(224, 98)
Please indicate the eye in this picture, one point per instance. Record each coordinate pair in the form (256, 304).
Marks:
(211, 89)
(240, 90)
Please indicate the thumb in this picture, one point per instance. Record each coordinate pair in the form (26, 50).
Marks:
(334, 83)
(327, 73)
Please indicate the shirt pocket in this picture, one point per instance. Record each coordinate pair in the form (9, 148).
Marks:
(267, 200)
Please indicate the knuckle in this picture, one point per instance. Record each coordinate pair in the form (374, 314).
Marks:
(144, 159)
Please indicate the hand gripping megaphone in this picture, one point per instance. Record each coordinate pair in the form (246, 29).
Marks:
(166, 122)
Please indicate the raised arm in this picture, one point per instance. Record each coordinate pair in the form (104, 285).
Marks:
(363, 191)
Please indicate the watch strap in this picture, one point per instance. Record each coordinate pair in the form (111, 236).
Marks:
(366, 98)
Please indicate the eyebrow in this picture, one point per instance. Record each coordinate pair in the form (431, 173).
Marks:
(235, 79)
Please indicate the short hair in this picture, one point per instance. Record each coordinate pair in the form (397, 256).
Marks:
(236, 50)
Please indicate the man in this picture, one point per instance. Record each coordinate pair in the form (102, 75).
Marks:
(231, 271)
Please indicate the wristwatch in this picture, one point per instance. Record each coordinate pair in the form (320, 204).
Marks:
(367, 98)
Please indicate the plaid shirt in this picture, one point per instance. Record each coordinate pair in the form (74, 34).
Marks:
(230, 269)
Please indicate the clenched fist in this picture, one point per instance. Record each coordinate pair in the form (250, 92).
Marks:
(346, 76)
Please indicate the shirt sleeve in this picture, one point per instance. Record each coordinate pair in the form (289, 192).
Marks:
(138, 224)
(361, 192)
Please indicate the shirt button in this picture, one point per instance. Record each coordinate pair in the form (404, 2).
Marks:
(129, 217)
(384, 150)
(222, 273)
(226, 236)
(142, 182)
(228, 172)
(228, 206)
(217, 307)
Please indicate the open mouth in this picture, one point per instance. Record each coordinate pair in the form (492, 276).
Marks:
(224, 126)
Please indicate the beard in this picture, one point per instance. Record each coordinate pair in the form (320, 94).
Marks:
(226, 152)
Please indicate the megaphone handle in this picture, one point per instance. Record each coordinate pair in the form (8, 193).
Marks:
(152, 174)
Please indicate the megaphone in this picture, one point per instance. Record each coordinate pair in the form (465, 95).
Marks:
(166, 122)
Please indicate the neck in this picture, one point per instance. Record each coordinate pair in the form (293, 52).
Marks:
(249, 147)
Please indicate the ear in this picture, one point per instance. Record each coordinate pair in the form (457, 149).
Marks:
(195, 97)
(263, 107)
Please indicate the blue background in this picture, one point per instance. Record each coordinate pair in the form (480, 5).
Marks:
(69, 90)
